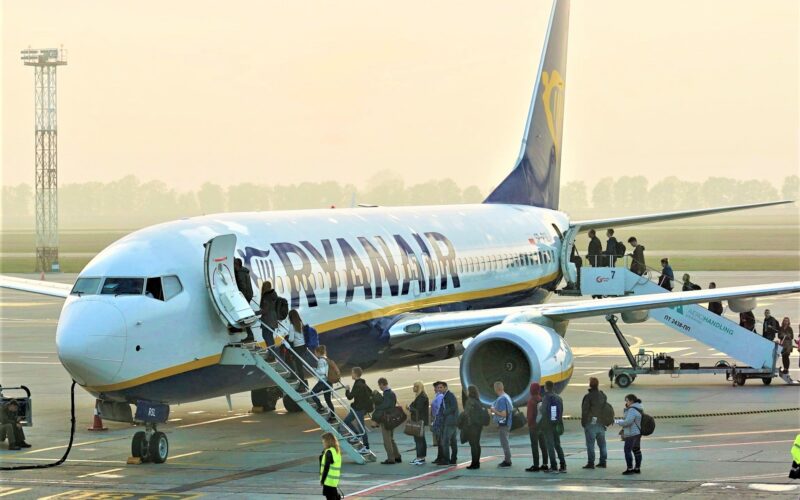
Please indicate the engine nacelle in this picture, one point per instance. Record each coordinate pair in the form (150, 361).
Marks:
(516, 354)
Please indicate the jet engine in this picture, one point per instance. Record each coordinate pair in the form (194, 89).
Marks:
(515, 354)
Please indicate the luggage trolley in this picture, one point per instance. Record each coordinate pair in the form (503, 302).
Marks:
(650, 363)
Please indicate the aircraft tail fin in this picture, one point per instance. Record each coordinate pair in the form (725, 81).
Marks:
(535, 178)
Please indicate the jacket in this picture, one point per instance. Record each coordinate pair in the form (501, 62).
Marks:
(243, 282)
(435, 405)
(388, 402)
(269, 310)
(786, 336)
(770, 328)
(595, 248)
(7, 416)
(631, 421)
(747, 320)
(666, 278)
(715, 307)
(637, 263)
(547, 400)
(297, 339)
(475, 412)
(533, 401)
(322, 369)
(361, 395)
(419, 408)
(592, 406)
(611, 246)
(448, 412)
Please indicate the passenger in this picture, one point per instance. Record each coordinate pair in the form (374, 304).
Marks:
(552, 426)
(322, 384)
(578, 262)
(419, 409)
(715, 307)
(637, 257)
(770, 326)
(245, 285)
(447, 420)
(388, 402)
(688, 286)
(269, 312)
(298, 343)
(361, 395)
(611, 249)
(11, 426)
(667, 276)
(594, 254)
(786, 339)
(631, 433)
(747, 320)
(330, 467)
(535, 435)
(591, 413)
(435, 424)
(501, 410)
(474, 427)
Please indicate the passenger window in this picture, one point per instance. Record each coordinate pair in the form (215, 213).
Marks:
(171, 286)
(123, 286)
(86, 286)
(153, 289)
(279, 284)
(312, 279)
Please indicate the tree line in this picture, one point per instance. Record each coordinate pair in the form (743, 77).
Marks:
(129, 202)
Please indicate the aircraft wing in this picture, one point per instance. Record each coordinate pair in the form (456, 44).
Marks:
(35, 286)
(585, 225)
(420, 331)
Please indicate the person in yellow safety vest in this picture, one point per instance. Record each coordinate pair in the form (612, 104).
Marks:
(330, 467)
(794, 473)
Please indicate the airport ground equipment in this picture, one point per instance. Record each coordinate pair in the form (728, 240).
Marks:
(297, 392)
(755, 356)
(45, 62)
(24, 403)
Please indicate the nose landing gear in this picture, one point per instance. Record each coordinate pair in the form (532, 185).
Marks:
(150, 445)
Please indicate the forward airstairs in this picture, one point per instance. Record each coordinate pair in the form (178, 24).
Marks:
(755, 356)
(270, 361)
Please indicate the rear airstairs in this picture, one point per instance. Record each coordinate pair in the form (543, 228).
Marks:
(758, 356)
(270, 361)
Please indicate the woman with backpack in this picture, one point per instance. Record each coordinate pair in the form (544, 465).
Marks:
(631, 433)
(476, 419)
(786, 339)
(419, 413)
(323, 383)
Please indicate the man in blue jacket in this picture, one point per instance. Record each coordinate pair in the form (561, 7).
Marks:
(447, 419)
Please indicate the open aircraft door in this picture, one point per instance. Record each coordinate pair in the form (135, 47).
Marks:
(568, 268)
(229, 302)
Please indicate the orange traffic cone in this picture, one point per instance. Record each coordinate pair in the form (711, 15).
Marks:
(97, 422)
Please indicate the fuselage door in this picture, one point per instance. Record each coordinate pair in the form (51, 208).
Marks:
(228, 301)
(568, 268)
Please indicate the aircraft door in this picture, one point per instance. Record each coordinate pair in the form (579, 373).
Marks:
(230, 304)
(569, 269)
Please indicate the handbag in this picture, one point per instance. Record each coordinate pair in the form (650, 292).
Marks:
(415, 428)
(393, 417)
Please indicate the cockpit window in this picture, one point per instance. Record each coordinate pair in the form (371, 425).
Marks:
(172, 286)
(153, 289)
(122, 286)
(86, 286)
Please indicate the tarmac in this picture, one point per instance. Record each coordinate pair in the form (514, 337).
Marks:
(712, 440)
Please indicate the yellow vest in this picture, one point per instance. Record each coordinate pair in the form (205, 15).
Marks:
(796, 449)
(335, 469)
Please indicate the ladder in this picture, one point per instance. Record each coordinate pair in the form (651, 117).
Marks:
(271, 362)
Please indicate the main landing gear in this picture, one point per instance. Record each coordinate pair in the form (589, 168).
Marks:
(150, 445)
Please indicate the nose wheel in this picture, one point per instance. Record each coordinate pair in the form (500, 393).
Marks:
(150, 445)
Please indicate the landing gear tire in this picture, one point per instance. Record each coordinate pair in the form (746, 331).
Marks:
(740, 379)
(266, 398)
(623, 380)
(139, 446)
(766, 380)
(290, 405)
(159, 447)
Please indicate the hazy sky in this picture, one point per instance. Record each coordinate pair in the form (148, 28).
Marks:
(189, 91)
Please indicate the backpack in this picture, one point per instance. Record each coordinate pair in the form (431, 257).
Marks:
(311, 337)
(370, 401)
(606, 415)
(555, 409)
(620, 248)
(334, 375)
(485, 418)
(393, 417)
(648, 423)
(281, 308)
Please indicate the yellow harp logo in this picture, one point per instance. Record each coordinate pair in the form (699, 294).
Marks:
(553, 100)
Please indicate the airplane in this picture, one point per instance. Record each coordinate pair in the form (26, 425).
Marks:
(147, 320)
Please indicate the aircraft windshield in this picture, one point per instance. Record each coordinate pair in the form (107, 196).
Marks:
(123, 286)
(86, 286)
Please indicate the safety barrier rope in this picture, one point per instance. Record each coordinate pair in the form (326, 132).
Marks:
(715, 414)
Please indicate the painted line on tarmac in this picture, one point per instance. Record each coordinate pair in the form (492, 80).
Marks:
(100, 472)
(720, 445)
(257, 441)
(13, 492)
(741, 478)
(555, 488)
(374, 489)
(29, 363)
(74, 445)
(189, 454)
(241, 475)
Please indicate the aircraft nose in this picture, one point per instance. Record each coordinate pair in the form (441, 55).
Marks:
(90, 340)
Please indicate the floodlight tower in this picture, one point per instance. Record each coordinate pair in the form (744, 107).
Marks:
(45, 62)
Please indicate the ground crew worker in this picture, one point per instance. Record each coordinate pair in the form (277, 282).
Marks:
(330, 467)
(794, 473)
(11, 427)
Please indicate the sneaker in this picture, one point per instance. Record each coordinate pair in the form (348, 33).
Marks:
(363, 450)
(637, 471)
(601, 465)
(419, 461)
(588, 466)
(628, 472)
(533, 468)
(504, 464)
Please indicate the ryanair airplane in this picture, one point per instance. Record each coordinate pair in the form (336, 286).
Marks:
(147, 319)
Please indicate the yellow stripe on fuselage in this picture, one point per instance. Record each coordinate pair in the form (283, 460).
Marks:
(558, 377)
(332, 325)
